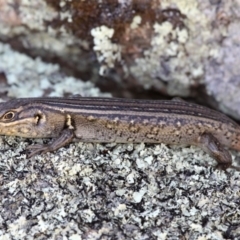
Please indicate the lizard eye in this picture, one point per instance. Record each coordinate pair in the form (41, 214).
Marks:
(8, 115)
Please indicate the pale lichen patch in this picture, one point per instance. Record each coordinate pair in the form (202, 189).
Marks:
(135, 22)
(107, 51)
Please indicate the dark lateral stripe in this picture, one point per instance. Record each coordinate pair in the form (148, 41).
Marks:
(130, 105)
(139, 117)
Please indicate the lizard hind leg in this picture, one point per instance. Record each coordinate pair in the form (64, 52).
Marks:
(215, 149)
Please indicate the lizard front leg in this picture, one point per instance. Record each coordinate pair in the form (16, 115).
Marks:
(65, 138)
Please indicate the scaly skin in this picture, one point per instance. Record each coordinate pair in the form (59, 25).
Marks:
(119, 120)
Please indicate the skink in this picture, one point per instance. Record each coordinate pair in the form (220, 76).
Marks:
(121, 121)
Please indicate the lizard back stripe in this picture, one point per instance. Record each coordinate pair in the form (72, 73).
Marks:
(104, 106)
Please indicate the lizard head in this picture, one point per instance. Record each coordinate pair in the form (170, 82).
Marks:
(21, 117)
